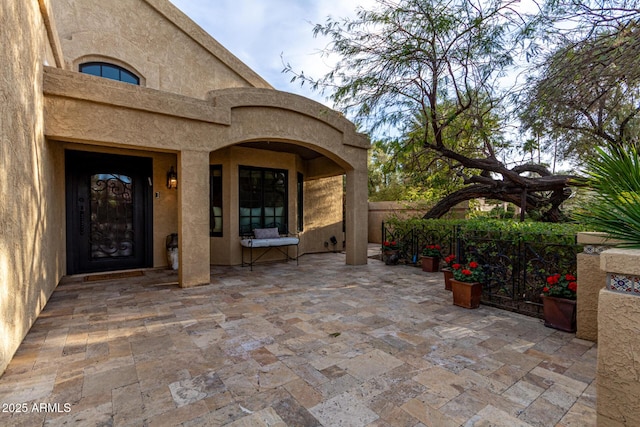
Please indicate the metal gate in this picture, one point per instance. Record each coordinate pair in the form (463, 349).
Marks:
(516, 265)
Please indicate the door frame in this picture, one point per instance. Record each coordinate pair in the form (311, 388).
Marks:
(140, 168)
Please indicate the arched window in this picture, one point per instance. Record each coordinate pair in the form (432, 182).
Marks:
(109, 71)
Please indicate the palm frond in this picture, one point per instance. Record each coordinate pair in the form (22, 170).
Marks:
(614, 176)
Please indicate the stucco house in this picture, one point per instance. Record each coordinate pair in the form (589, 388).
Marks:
(106, 105)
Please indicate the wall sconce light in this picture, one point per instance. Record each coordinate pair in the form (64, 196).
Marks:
(333, 240)
(172, 178)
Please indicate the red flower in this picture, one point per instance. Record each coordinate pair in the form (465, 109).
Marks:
(393, 243)
(561, 286)
(437, 247)
(473, 264)
(466, 272)
(450, 258)
(456, 266)
(387, 244)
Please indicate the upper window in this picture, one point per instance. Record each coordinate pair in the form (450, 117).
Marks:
(263, 199)
(109, 71)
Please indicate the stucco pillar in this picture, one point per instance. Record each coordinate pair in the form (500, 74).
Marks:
(193, 218)
(357, 213)
(618, 368)
(590, 281)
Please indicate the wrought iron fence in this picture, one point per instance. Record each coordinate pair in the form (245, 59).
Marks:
(404, 240)
(516, 264)
(412, 241)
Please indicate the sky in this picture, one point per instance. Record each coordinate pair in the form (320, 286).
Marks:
(261, 33)
(264, 33)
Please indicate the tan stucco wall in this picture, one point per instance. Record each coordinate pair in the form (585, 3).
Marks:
(193, 218)
(85, 108)
(31, 247)
(616, 260)
(260, 114)
(323, 205)
(590, 281)
(381, 211)
(173, 55)
(356, 209)
(165, 206)
(618, 368)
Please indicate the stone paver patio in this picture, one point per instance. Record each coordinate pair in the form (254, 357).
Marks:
(320, 344)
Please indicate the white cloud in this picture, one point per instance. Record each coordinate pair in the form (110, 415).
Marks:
(258, 32)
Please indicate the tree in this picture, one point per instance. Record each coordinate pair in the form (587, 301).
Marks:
(400, 171)
(384, 179)
(431, 68)
(588, 93)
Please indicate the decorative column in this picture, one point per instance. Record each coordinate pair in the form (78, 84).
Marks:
(357, 217)
(590, 280)
(618, 369)
(193, 218)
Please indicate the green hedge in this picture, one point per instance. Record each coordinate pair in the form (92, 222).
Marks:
(562, 233)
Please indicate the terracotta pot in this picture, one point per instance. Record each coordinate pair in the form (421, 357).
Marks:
(466, 294)
(391, 257)
(448, 275)
(559, 313)
(430, 264)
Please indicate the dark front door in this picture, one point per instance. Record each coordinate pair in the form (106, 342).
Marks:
(109, 214)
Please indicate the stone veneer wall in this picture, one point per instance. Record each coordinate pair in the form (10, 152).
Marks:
(590, 281)
(618, 369)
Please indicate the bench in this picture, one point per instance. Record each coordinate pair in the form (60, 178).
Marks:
(268, 238)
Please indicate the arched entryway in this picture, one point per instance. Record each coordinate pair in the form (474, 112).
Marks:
(127, 118)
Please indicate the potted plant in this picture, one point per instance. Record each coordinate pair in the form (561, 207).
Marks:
(390, 250)
(449, 260)
(467, 284)
(559, 302)
(431, 258)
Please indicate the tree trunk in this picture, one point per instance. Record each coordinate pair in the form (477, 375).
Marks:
(513, 194)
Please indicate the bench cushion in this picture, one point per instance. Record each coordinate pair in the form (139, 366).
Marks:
(266, 233)
(266, 243)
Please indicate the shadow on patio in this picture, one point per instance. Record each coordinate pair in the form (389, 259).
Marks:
(319, 344)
